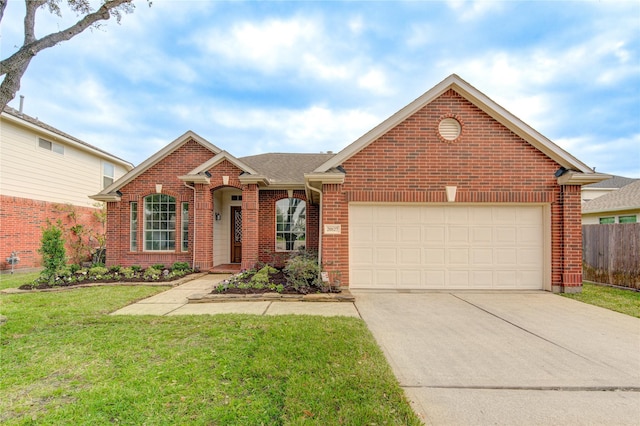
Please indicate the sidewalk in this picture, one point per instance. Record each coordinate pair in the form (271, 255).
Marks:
(175, 302)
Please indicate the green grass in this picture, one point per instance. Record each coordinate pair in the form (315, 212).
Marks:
(17, 279)
(65, 361)
(615, 299)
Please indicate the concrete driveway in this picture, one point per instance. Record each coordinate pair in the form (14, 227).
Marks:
(525, 358)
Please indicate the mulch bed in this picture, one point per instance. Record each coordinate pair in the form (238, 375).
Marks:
(278, 279)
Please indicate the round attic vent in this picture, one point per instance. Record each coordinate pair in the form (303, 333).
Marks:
(449, 129)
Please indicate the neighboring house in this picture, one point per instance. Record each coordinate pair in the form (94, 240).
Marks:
(451, 192)
(598, 189)
(43, 172)
(621, 206)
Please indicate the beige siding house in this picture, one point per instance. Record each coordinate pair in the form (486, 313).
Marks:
(42, 168)
(621, 206)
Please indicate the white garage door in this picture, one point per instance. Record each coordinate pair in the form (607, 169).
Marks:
(446, 247)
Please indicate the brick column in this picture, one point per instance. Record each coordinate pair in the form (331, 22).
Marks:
(335, 248)
(203, 228)
(572, 239)
(250, 235)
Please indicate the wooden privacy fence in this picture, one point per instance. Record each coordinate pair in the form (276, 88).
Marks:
(611, 254)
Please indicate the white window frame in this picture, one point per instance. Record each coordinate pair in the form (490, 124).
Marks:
(51, 146)
(280, 232)
(108, 179)
(163, 224)
(133, 226)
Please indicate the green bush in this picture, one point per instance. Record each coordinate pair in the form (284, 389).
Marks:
(115, 268)
(98, 272)
(136, 268)
(159, 266)
(152, 274)
(54, 255)
(74, 267)
(180, 266)
(128, 272)
(303, 273)
(261, 278)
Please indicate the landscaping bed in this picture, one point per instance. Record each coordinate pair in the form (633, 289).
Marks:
(300, 276)
(76, 275)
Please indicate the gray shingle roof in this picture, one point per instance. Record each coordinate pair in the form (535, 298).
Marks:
(626, 198)
(282, 168)
(614, 182)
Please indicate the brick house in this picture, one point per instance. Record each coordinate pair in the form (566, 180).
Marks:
(46, 174)
(451, 192)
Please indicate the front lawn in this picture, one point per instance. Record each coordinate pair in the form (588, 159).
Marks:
(17, 279)
(64, 360)
(615, 299)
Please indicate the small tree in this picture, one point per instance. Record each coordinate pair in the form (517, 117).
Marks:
(54, 255)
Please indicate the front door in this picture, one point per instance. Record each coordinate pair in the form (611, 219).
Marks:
(236, 234)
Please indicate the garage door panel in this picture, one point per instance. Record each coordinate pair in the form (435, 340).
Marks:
(410, 234)
(434, 235)
(386, 255)
(458, 234)
(410, 256)
(482, 256)
(435, 257)
(385, 234)
(446, 247)
(458, 256)
(434, 278)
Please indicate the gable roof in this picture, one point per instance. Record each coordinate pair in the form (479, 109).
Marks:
(110, 192)
(483, 102)
(626, 198)
(285, 169)
(57, 135)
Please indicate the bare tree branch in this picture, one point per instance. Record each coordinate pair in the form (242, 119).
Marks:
(3, 5)
(14, 67)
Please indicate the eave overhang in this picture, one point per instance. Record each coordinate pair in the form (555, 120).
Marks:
(316, 180)
(200, 178)
(572, 177)
(248, 179)
(107, 198)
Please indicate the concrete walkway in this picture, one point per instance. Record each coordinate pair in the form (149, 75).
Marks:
(175, 302)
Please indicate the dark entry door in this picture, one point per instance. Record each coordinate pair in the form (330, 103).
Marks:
(236, 234)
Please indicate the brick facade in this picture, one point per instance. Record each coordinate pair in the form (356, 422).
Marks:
(488, 163)
(21, 223)
(410, 163)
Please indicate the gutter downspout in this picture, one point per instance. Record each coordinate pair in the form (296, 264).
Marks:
(319, 223)
(193, 262)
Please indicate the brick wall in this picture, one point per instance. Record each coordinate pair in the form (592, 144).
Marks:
(21, 222)
(488, 163)
(267, 228)
(165, 172)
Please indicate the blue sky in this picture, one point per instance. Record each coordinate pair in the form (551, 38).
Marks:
(255, 77)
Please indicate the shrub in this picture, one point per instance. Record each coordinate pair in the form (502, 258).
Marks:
(98, 272)
(159, 266)
(152, 274)
(180, 266)
(128, 272)
(114, 269)
(303, 273)
(136, 268)
(54, 256)
(74, 267)
(261, 278)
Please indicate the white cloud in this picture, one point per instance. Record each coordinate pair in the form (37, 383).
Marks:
(473, 9)
(356, 25)
(375, 81)
(268, 45)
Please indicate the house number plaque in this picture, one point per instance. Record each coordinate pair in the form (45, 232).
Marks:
(333, 229)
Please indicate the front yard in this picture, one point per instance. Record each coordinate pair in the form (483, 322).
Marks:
(615, 299)
(64, 360)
